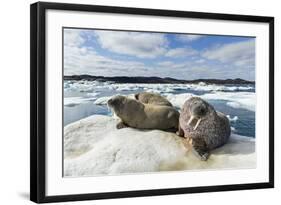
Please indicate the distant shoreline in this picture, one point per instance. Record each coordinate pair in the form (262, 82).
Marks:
(155, 80)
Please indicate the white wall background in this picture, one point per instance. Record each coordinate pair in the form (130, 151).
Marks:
(14, 100)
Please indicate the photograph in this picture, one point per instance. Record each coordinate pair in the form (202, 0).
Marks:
(144, 102)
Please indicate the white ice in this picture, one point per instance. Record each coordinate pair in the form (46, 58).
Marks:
(103, 100)
(245, 100)
(88, 86)
(70, 101)
(93, 146)
(232, 119)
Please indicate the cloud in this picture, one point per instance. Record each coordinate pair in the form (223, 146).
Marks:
(241, 54)
(83, 55)
(165, 63)
(189, 70)
(181, 52)
(72, 37)
(189, 37)
(142, 45)
(201, 60)
(86, 61)
(80, 59)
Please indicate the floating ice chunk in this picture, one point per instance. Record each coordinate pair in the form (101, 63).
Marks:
(93, 146)
(125, 86)
(202, 83)
(152, 90)
(88, 86)
(102, 100)
(246, 100)
(72, 101)
(179, 99)
(94, 94)
(234, 119)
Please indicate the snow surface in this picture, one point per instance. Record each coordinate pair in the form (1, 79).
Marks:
(93, 146)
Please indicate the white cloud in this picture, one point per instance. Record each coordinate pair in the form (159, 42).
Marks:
(181, 52)
(142, 45)
(189, 37)
(72, 37)
(80, 59)
(165, 63)
(201, 60)
(86, 61)
(239, 54)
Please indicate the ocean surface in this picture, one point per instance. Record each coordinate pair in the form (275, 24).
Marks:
(85, 98)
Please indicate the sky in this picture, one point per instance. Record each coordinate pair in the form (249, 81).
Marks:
(180, 56)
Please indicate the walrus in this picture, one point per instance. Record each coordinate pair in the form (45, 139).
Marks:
(143, 116)
(152, 98)
(203, 126)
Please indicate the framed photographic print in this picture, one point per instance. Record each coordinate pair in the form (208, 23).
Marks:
(129, 102)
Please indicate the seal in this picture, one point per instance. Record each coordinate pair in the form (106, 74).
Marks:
(143, 116)
(152, 98)
(203, 126)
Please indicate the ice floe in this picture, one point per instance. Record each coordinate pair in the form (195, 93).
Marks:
(102, 100)
(178, 99)
(232, 119)
(93, 146)
(245, 100)
(88, 86)
(72, 101)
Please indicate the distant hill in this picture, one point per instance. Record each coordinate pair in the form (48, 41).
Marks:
(154, 80)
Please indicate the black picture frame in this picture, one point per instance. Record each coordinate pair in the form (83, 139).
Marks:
(38, 101)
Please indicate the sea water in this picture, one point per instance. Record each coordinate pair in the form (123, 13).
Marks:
(84, 98)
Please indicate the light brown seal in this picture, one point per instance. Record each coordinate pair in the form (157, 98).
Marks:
(206, 128)
(152, 98)
(143, 116)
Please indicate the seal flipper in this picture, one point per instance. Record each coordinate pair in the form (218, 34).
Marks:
(121, 125)
(200, 148)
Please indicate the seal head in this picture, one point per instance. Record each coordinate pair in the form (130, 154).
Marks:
(198, 109)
